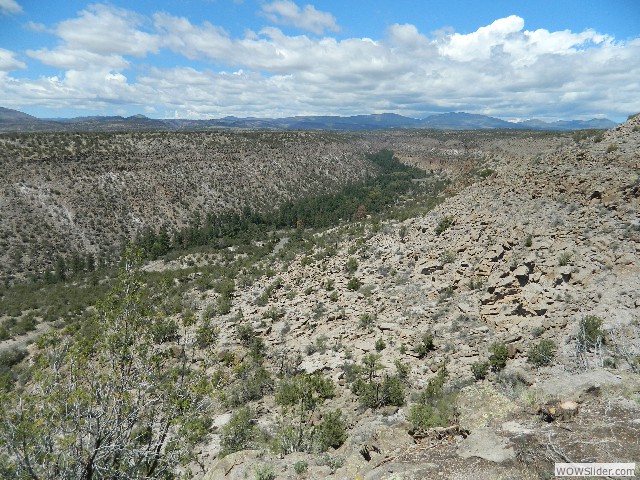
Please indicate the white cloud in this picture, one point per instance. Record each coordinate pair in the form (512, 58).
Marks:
(8, 61)
(500, 69)
(103, 29)
(286, 12)
(68, 58)
(9, 7)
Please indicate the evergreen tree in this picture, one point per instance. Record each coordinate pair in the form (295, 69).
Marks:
(105, 401)
(61, 269)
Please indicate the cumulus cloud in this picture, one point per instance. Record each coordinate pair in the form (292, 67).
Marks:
(104, 29)
(286, 12)
(9, 7)
(500, 69)
(100, 36)
(8, 61)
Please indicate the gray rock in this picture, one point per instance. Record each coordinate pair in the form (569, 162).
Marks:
(236, 466)
(402, 471)
(486, 444)
(570, 386)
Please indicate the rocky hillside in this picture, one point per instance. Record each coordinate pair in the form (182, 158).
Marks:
(540, 257)
(89, 193)
(63, 193)
(484, 334)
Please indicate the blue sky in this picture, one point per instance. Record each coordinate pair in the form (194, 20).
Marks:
(273, 58)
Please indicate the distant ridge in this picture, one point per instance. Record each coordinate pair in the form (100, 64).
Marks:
(8, 115)
(16, 121)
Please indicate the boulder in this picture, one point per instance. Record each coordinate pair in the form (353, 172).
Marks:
(235, 466)
(485, 443)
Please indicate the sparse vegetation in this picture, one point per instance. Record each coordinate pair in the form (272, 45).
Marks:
(240, 433)
(480, 370)
(590, 333)
(354, 284)
(300, 467)
(435, 406)
(372, 391)
(443, 224)
(83, 368)
(424, 346)
(564, 258)
(542, 353)
(366, 321)
(221, 317)
(498, 357)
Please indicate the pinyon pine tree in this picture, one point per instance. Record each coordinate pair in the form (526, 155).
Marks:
(103, 400)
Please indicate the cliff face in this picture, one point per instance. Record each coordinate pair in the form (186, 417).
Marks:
(89, 193)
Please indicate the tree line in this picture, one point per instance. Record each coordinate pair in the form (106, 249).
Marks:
(353, 202)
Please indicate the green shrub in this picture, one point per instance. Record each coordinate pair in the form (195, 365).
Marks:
(498, 357)
(334, 463)
(331, 432)
(612, 147)
(447, 257)
(273, 313)
(424, 346)
(189, 318)
(528, 241)
(4, 333)
(8, 360)
(435, 406)
(299, 396)
(380, 345)
(246, 334)
(475, 283)
(351, 266)
(354, 284)
(240, 433)
(223, 304)
(402, 370)
(225, 286)
(252, 384)
(319, 345)
(300, 467)
(537, 331)
(164, 330)
(373, 392)
(443, 224)
(206, 334)
(265, 472)
(542, 353)
(564, 258)
(590, 333)
(480, 370)
(366, 321)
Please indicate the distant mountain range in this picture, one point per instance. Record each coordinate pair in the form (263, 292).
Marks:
(15, 121)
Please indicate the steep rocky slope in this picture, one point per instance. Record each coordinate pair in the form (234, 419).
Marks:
(549, 238)
(62, 193)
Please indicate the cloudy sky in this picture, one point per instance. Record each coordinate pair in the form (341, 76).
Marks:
(546, 59)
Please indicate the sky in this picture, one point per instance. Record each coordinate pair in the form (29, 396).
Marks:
(516, 59)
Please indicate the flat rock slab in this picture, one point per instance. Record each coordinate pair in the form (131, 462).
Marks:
(485, 443)
(402, 471)
(575, 387)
